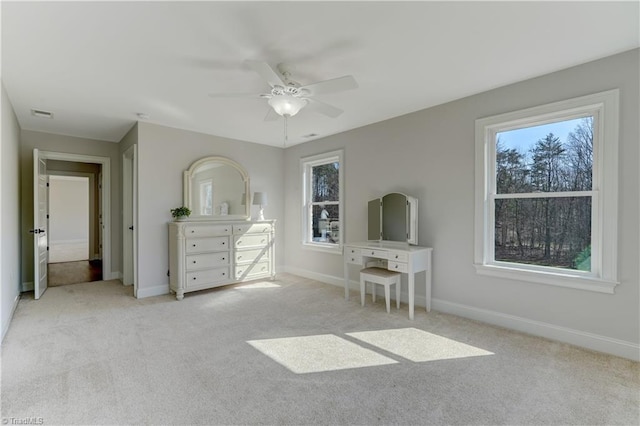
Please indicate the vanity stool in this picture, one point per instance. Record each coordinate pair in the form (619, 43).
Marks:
(385, 277)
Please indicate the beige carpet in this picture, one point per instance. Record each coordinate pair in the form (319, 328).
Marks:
(293, 352)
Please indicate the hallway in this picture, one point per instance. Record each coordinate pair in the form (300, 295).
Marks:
(82, 271)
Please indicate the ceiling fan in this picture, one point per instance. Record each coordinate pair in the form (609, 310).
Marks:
(287, 97)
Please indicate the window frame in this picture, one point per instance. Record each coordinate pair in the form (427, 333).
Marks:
(602, 278)
(306, 165)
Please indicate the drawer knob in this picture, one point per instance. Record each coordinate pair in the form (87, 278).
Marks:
(239, 257)
(240, 271)
(223, 258)
(373, 252)
(194, 261)
(192, 231)
(396, 256)
(223, 243)
(194, 245)
(262, 241)
(194, 278)
(396, 266)
(223, 274)
(239, 242)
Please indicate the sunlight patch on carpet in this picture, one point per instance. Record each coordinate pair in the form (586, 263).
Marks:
(260, 284)
(313, 354)
(418, 345)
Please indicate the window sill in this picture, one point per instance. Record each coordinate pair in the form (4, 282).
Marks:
(567, 280)
(324, 248)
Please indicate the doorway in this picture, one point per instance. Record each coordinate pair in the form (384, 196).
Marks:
(74, 251)
(98, 262)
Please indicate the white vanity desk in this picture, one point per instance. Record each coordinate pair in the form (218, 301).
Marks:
(400, 257)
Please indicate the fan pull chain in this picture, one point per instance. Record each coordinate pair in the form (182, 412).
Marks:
(286, 131)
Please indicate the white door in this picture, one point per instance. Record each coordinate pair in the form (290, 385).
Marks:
(39, 225)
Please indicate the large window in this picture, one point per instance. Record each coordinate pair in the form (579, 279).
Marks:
(546, 193)
(322, 210)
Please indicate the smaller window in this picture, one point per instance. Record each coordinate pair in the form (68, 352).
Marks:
(322, 177)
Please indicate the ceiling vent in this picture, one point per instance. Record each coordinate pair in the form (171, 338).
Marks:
(42, 114)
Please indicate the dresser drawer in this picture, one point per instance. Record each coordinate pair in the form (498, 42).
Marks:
(206, 260)
(252, 228)
(206, 230)
(207, 276)
(354, 258)
(199, 245)
(398, 256)
(251, 240)
(255, 255)
(398, 266)
(245, 272)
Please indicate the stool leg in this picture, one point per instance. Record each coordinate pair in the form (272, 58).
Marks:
(363, 289)
(373, 292)
(398, 294)
(387, 297)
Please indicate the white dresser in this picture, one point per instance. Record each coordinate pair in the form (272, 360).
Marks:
(206, 254)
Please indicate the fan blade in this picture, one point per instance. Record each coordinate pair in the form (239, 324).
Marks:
(271, 115)
(323, 108)
(266, 72)
(235, 95)
(331, 86)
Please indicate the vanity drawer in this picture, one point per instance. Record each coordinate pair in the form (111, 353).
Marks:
(398, 256)
(352, 251)
(198, 245)
(197, 278)
(246, 272)
(206, 260)
(354, 258)
(380, 254)
(251, 240)
(398, 266)
(252, 228)
(206, 230)
(256, 255)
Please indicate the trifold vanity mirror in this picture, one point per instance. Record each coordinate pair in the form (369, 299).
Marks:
(217, 188)
(393, 217)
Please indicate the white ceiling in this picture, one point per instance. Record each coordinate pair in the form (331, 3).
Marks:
(95, 65)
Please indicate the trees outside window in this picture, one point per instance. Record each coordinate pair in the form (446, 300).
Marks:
(322, 183)
(546, 193)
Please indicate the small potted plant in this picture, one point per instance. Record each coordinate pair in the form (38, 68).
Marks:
(180, 213)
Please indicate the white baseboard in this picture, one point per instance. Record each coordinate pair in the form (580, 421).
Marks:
(28, 286)
(5, 327)
(329, 279)
(158, 290)
(583, 339)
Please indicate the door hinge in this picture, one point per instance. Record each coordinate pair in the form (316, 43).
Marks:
(47, 248)
(47, 216)
(168, 273)
(47, 184)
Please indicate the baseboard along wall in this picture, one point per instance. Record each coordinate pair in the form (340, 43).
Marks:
(574, 337)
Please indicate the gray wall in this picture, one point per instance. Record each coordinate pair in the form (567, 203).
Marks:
(9, 213)
(430, 155)
(164, 154)
(70, 145)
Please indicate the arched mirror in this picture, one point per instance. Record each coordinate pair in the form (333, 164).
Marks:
(217, 188)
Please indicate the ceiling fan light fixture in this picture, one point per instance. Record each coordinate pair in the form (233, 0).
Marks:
(286, 105)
